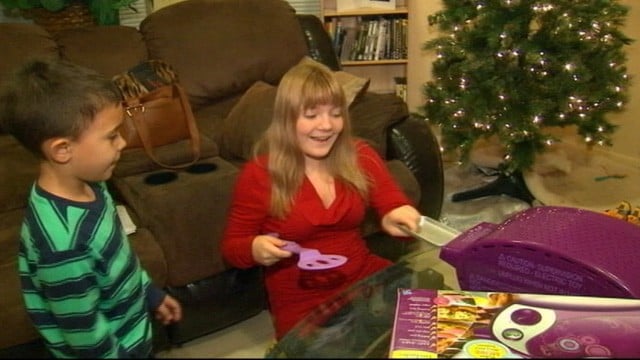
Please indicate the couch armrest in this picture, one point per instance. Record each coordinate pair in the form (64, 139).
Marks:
(413, 142)
(318, 41)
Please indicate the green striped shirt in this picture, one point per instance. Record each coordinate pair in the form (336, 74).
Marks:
(83, 286)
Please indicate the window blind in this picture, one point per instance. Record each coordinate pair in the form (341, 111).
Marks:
(130, 17)
(306, 6)
(135, 13)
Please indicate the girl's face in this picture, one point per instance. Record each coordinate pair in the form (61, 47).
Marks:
(317, 130)
(98, 149)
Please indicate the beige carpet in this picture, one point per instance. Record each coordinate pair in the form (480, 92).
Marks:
(572, 175)
(463, 215)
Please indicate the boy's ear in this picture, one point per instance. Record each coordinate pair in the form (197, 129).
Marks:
(57, 149)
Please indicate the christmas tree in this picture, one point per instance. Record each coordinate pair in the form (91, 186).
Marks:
(507, 69)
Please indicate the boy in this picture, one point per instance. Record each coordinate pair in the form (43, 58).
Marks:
(83, 286)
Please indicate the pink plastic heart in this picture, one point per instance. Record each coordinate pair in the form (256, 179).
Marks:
(312, 259)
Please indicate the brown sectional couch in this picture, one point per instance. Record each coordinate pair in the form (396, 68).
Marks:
(219, 49)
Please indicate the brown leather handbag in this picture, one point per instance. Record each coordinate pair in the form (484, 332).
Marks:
(157, 111)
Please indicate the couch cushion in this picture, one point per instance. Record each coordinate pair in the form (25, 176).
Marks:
(109, 50)
(136, 161)
(353, 86)
(186, 217)
(220, 48)
(247, 121)
(150, 254)
(13, 316)
(251, 116)
(19, 169)
(406, 179)
(408, 183)
(210, 118)
(372, 115)
(20, 42)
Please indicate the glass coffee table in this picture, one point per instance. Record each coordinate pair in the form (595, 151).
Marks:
(357, 323)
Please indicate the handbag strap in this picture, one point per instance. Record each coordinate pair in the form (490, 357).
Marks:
(137, 113)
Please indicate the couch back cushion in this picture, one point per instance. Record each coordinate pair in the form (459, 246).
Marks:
(13, 317)
(19, 42)
(252, 114)
(109, 50)
(221, 47)
(19, 169)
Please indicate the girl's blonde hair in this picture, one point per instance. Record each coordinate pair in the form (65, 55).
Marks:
(305, 86)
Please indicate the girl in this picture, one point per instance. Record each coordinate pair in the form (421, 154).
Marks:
(310, 182)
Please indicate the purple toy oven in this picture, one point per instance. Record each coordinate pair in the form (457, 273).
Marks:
(549, 250)
(569, 327)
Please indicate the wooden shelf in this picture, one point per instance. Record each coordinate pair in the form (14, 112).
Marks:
(373, 62)
(365, 12)
(384, 72)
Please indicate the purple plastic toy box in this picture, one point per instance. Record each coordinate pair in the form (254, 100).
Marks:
(549, 250)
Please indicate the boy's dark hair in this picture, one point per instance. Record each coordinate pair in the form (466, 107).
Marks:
(53, 98)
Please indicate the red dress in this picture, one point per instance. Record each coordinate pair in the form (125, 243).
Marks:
(293, 292)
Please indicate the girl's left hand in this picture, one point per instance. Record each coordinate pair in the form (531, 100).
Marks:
(405, 215)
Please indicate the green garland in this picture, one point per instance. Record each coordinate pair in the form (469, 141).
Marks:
(105, 12)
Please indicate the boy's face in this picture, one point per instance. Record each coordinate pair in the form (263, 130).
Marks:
(97, 150)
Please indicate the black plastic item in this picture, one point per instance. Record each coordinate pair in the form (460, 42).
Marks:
(319, 43)
(201, 168)
(217, 302)
(512, 185)
(160, 178)
(37, 349)
(424, 161)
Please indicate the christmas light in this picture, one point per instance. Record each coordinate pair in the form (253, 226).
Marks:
(508, 68)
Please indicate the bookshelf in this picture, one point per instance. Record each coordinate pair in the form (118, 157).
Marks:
(370, 38)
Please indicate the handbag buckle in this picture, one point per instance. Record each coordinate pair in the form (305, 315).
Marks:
(130, 109)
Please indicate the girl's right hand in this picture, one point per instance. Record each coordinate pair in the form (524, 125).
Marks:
(266, 249)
